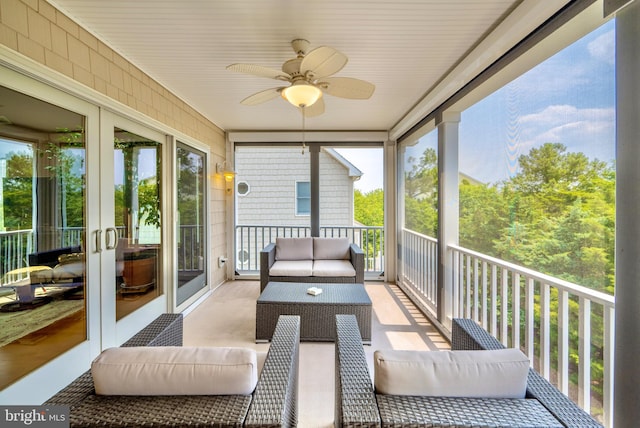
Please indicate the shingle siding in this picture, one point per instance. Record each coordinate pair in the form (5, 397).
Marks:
(272, 173)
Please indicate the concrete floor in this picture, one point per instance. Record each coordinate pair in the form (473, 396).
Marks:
(227, 318)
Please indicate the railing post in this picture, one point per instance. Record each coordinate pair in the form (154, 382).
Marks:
(584, 355)
(563, 341)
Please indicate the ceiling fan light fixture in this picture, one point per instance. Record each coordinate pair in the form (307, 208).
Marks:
(301, 94)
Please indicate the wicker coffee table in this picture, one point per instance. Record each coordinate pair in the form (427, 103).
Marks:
(317, 313)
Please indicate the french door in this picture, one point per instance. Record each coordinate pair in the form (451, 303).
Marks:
(89, 248)
(50, 292)
(132, 235)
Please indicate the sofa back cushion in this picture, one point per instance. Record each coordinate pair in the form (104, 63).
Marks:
(175, 370)
(331, 249)
(294, 248)
(498, 373)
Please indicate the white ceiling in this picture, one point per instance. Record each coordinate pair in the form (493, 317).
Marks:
(416, 52)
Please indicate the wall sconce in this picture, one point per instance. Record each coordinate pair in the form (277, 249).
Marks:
(227, 173)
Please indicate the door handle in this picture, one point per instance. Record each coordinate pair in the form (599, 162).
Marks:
(98, 241)
(111, 231)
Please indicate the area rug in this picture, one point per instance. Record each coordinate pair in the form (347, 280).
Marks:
(15, 325)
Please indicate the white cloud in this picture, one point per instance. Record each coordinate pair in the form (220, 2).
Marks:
(587, 130)
(603, 47)
(563, 113)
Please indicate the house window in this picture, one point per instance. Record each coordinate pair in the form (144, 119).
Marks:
(303, 198)
(243, 188)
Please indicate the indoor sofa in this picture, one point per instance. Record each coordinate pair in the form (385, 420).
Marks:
(273, 402)
(359, 403)
(311, 260)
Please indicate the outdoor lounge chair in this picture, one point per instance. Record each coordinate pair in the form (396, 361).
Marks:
(359, 405)
(273, 403)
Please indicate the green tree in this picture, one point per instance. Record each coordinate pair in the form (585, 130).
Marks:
(73, 185)
(483, 215)
(189, 177)
(18, 192)
(369, 207)
(369, 211)
(563, 212)
(421, 194)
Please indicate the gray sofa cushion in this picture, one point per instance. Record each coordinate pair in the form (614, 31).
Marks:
(333, 268)
(331, 249)
(294, 248)
(292, 268)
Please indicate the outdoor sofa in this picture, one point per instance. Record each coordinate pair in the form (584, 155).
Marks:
(311, 260)
(358, 404)
(273, 403)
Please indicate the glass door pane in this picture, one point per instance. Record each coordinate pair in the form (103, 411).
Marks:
(137, 191)
(192, 258)
(42, 233)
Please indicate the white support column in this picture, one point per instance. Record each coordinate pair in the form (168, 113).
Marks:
(627, 297)
(400, 211)
(448, 208)
(390, 211)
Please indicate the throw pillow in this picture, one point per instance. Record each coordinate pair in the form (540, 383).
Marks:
(175, 370)
(490, 374)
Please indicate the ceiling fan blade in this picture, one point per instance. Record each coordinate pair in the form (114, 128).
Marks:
(315, 109)
(258, 70)
(347, 87)
(323, 61)
(262, 96)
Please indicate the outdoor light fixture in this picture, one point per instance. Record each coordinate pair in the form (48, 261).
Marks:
(301, 94)
(227, 173)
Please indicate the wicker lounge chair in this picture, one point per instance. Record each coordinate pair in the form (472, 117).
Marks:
(358, 405)
(272, 404)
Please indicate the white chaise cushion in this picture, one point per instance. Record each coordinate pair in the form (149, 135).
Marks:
(175, 370)
(491, 374)
(333, 268)
(291, 268)
(331, 249)
(294, 248)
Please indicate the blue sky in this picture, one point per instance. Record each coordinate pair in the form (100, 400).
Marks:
(370, 162)
(568, 99)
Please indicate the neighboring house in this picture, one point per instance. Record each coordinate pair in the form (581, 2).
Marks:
(469, 179)
(272, 189)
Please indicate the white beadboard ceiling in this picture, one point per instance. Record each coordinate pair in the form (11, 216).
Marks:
(416, 52)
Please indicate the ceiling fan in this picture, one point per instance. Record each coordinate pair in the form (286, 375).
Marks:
(308, 76)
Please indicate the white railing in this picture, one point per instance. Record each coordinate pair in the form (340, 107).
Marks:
(15, 247)
(419, 267)
(251, 239)
(565, 329)
(190, 250)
